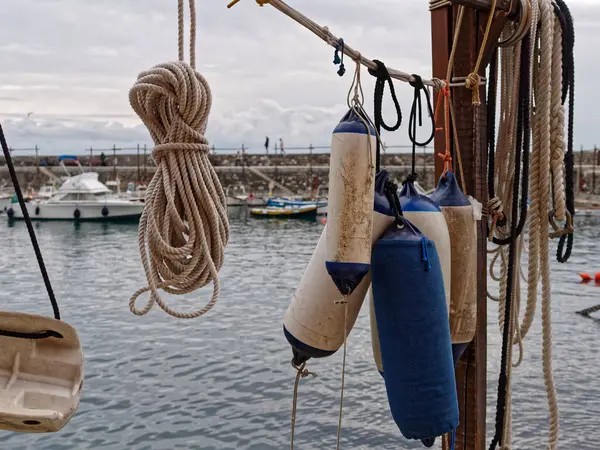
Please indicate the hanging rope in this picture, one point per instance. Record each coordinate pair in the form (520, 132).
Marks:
(541, 54)
(301, 372)
(474, 79)
(382, 76)
(540, 200)
(183, 229)
(416, 116)
(568, 91)
(36, 248)
(444, 94)
(503, 384)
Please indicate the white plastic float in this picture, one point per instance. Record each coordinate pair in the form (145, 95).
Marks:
(40, 379)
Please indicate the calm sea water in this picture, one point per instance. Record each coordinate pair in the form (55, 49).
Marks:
(224, 381)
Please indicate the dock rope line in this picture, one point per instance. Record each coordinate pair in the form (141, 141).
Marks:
(327, 36)
(183, 228)
(36, 248)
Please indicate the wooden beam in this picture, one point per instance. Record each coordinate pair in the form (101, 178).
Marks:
(485, 5)
(471, 129)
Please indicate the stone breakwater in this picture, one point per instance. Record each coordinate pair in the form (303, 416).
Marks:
(300, 173)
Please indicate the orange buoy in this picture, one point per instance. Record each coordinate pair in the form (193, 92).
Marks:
(585, 277)
(324, 220)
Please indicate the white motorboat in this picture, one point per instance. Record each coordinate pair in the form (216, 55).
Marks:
(81, 197)
(5, 198)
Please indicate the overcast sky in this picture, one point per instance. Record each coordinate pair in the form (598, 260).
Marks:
(71, 63)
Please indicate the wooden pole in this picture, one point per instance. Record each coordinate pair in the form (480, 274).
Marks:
(471, 130)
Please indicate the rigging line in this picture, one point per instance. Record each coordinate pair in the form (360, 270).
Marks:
(30, 230)
(327, 36)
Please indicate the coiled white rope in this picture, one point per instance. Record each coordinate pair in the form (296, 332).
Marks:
(183, 229)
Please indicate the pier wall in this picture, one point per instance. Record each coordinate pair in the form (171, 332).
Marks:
(300, 173)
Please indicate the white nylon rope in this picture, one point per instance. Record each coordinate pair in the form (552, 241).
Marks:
(183, 229)
(548, 145)
(558, 144)
(543, 108)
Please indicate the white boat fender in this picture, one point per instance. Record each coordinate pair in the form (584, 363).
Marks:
(313, 323)
(350, 201)
(462, 226)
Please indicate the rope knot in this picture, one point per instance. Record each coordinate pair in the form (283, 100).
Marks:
(447, 158)
(173, 101)
(381, 72)
(495, 208)
(412, 177)
(417, 82)
(472, 82)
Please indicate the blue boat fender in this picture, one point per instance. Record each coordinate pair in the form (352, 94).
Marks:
(427, 216)
(410, 308)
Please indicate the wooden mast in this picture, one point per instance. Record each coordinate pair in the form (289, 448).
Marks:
(471, 128)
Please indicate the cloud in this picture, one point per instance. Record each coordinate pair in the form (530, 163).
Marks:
(73, 63)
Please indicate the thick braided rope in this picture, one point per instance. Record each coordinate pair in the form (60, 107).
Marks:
(533, 269)
(558, 143)
(544, 124)
(183, 229)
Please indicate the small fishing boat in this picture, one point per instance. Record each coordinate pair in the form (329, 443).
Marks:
(296, 212)
(81, 197)
(282, 202)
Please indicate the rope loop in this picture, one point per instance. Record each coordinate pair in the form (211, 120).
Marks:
(559, 232)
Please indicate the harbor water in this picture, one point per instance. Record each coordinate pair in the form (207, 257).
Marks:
(224, 381)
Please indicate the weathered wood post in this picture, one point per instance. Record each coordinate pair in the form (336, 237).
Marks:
(471, 130)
